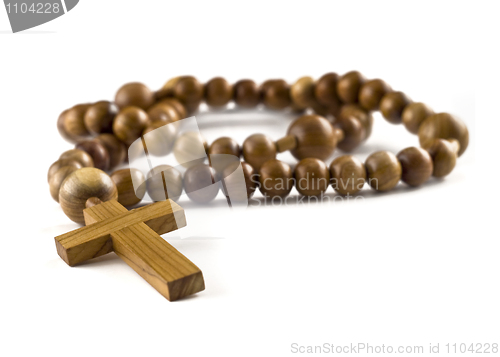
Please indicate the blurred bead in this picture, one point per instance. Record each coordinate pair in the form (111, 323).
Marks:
(302, 93)
(97, 151)
(444, 157)
(129, 124)
(57, 179)
(325, 92)
(348, 86)
(73, 123)
(354, 133)
(160, 137)
(362, 115)
(315, 137)
(348, 175)
(232, 182)
(179, 107)
(392, 106)
(99, 117)
(200, 183)
(81, 185)
(116, 149)
(164, 182)
(383, 170)
(371, 93)
(275, 94)
(164, 112)
(276, 179)
(443, 126)
(134, 95)
(61, 163)
(246, 93)
(414, 114)
(257, 149)
(218, 92)
(225, 145)
(124, 181)
(187, 90)
(190, 149)
(79, 155)
(416, 164)
(311, 177)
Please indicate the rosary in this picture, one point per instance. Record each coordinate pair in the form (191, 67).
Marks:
(334, 111)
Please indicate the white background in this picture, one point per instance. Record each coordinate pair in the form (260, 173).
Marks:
(410, 267)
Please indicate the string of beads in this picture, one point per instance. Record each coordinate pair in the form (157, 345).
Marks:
(335, 111)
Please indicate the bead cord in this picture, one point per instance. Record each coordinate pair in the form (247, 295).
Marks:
(336, 111)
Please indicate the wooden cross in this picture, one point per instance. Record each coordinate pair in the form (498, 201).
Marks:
(135, 237)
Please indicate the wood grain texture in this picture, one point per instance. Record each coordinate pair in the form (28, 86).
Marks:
(134, 237)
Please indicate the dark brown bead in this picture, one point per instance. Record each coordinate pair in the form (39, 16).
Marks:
(61, 163)
(79, 155)
(362, 115)
(348, 86)
(99, 117)
(116, 149)
(275, 94)
(164, 182)
(348, 175)
(416, 164)
(62, 130)
(444, 157)
(200, 183)
(302, 93)
(257, 149)
(311, 177)
(315, 137)
(129, 124)
(163, 111)
(325, 92)
(354, 132)
(443, 126)
(276, 179)
(223, 152)
(246, 93)
(134, 94)
(232, 183)
(124, 181)
(383, 170)
(98, 151)
(414, 114)
(189, 92)
(73, 125)
(392, 106)
(218, 92)
(371, 93)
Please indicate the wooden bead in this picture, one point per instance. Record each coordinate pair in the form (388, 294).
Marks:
(416, 164)
(61, 163)
(302, 93)
(348, 175)
(444, 157)
(200, 183)
(116, 149)
(246, 93)
(124, 181)
(348, 86)
(134, 95)
(160, 142)
(275, 94)
(315, 137)
(224, 145)
(257, 149)
(362, 115)
(383, 170)
(354, 133)
(99, 117)
(164, 112)
(79, 155)
(325, 92)
(414, 114)
(80, 186)
(97, 151)
(392, 106)
(311, 177)
(443, 126)
(129, 124)
(57, 179)
(164, 182)
(371, 93)
(73, 123)
(276, 179)
(62, 130)
(188, 91)
(218, 92)
(232, 183)
(179, 107)
(190, 149)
